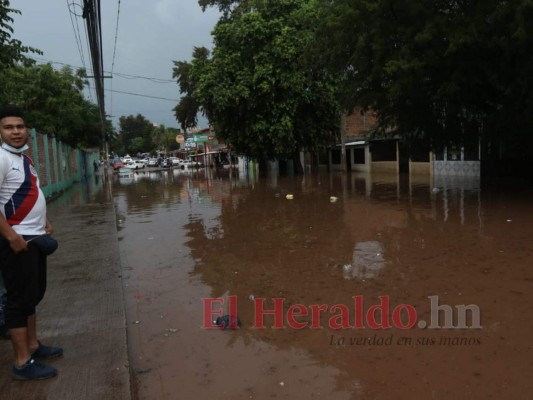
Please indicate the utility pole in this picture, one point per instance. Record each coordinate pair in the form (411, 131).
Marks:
(343, 141)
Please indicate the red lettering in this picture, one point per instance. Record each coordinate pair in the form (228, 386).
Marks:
(277, 312)
(358, 307)
(397, 318)
(315, 315)
(209, 313)
(232, 300)
(342, 320)
(371, 319)
(294, 311)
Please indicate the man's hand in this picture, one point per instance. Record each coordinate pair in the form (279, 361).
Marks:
(18, 244)
(48, 228)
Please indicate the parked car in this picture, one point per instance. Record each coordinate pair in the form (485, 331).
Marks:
(117, 165)
(152, 162)
(136, 164)
(185, 164)
(189, 164)
(176, 162)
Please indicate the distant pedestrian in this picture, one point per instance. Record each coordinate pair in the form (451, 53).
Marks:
(24, 226)
(95, 164)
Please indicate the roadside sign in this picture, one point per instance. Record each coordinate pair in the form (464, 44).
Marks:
(190, 143)
(180, 139)
(201, 138)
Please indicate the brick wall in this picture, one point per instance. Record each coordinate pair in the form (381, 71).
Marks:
(357, 124)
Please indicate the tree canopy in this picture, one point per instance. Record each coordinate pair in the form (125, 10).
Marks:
(12, 51)
(138, 135)
(440, 71)
(254, 87)
(135, 134)
(53, 102)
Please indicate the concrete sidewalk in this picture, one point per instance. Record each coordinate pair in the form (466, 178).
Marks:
(83, 312)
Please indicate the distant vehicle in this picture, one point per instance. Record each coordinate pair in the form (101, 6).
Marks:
(125, 172)
(117, 165)
(188, 164)
(185, 164)
(152, 162)
(175, 161)
(166, 163)
(136, 164)
(127, 159)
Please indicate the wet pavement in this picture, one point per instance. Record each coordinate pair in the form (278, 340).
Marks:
(83, 309)
(338, 246)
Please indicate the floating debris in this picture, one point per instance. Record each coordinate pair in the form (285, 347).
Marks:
(228, 322)
(289, 197)
(333, 199)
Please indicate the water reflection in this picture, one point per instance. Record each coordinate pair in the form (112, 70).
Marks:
(93, 189)
(368, 259)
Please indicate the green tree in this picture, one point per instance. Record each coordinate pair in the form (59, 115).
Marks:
(164, 138)
(187, 109)
(136, 134)
(53, 101)
(438, 71)
(11, 50)
(254, 88)
(170, 139)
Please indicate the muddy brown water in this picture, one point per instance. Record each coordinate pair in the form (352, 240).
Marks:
(188, 236)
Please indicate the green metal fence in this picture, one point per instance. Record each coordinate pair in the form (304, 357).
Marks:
(59, 166)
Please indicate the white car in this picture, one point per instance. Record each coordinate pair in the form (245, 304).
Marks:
(185, 164)
(136, 164)
(175, 161)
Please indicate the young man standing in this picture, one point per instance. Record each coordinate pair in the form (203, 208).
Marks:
(22, 264)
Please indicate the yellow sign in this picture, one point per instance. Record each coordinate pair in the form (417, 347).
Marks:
(180, 139)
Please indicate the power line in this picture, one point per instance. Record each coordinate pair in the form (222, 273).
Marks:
(142, 95)
(76, 32)
(156, 80)
(114, 54)
(116, 35)
(77, 36)
(120, 74)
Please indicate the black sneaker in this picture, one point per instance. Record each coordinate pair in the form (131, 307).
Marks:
(4, 333)
(46, 351)
(33, 370)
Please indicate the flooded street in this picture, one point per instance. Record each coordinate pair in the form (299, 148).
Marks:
(359, 264)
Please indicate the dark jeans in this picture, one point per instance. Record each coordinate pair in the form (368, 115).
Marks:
(24, 277)
(3, 300)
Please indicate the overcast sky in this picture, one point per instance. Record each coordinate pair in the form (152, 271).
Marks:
(151, 34)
